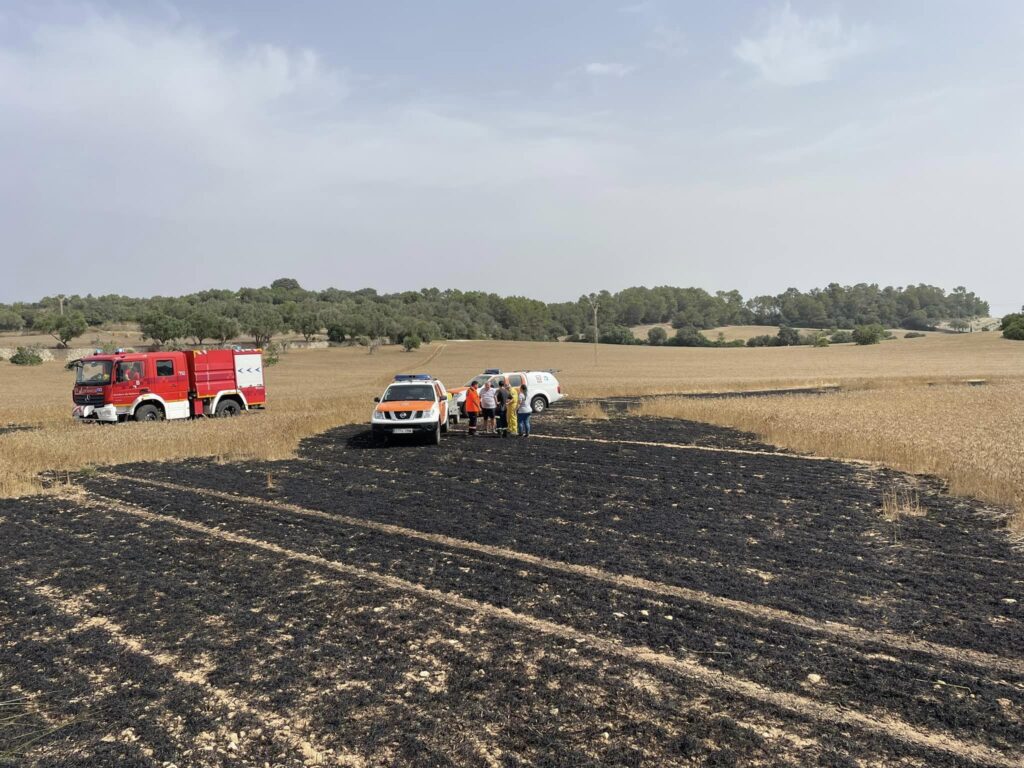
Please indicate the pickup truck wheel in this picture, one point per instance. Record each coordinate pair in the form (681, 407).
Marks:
(227, 408)
(538, 404)
(149, 412)
(437, 435)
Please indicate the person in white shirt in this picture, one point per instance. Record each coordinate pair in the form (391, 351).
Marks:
(488, 403)
(525, 410)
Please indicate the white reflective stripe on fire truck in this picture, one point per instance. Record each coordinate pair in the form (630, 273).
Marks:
(175, 409)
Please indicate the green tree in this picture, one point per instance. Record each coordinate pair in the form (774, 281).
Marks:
(788, 337)
(1013, 326)
(227, 328)
(618, 334)
(162, 328)
(261, 321)
(202, 324)
(688, 336)
(26, 356)
(1011, 319)
(306, 321)
(11, 320)
(657, 336)
(411, 342)
(868, 334)
(64, 327)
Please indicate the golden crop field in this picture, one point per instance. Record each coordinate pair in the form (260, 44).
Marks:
(969, 436)
(313, 390)
(738, 332)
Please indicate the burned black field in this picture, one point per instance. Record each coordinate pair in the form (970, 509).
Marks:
(622, 593)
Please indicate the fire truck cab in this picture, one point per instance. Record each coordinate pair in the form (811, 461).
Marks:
(152, 386)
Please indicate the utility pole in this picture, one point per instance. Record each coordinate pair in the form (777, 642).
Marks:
(594, 302)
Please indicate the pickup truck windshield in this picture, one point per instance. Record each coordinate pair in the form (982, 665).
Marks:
(93, 372)
(480, 380)
(409, 392)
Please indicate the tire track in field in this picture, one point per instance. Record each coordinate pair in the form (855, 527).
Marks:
(708, 448)
(86, 618)
(890, 727)
(839, 630)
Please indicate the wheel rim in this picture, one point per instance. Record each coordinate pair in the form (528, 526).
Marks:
(538, 405)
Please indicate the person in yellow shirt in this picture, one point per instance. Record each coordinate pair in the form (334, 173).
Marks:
(513, 407)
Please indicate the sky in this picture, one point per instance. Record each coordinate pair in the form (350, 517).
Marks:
(531, 148)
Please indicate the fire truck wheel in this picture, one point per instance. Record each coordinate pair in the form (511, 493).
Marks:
(228, 408)
(149, 412)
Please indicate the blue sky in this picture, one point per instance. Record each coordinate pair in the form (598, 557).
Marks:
(545, 149)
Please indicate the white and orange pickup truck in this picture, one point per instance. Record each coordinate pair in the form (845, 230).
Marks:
(414, 404)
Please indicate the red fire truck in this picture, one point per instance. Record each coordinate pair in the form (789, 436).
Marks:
(152, 386)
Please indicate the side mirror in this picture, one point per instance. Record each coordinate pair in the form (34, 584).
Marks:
(376, 399)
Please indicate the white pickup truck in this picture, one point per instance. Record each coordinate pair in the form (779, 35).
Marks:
(542, 387)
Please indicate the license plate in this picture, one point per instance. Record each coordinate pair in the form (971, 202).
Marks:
(402, 431)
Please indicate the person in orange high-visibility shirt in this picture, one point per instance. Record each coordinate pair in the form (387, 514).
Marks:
(472, 407)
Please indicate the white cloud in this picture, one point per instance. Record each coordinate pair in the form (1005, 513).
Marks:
(796, 51)
(165, 147)
(150, 100)
(607, 69)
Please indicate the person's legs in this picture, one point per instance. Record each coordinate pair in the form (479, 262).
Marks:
(526, 424)
(522, 424)
(472, 422)
(513, 421)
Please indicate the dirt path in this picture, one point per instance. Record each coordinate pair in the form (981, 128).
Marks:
(709, 449)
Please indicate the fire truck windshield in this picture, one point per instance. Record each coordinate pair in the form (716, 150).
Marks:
(93, 372)
(409, 392)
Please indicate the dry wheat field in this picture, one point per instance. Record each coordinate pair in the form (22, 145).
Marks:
(970, 436)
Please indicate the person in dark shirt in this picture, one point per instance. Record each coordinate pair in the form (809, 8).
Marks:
(501, 398)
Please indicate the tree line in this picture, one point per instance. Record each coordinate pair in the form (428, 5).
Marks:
(285, 306)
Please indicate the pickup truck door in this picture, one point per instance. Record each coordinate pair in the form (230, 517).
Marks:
(442, 404)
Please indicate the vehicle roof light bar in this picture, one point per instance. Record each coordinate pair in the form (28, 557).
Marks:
(413, 377)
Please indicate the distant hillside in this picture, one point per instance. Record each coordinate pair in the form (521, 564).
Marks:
(431, 313)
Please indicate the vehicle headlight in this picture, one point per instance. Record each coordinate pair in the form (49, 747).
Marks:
(378, 416)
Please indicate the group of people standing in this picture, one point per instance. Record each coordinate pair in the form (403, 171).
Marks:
(505, 410)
